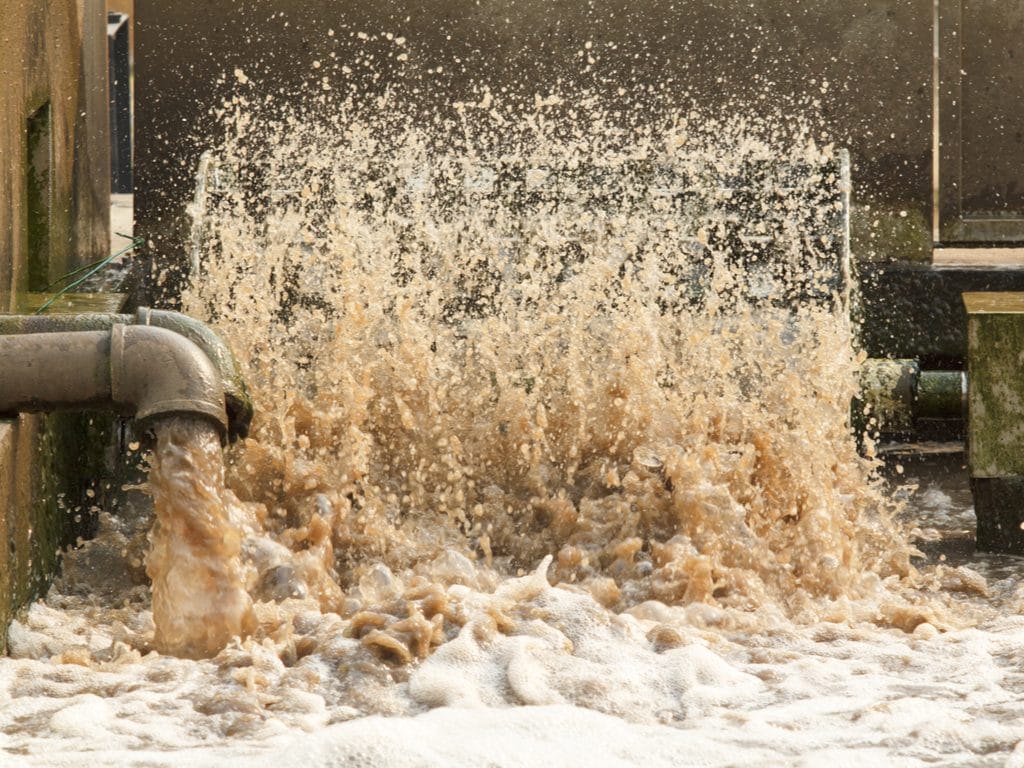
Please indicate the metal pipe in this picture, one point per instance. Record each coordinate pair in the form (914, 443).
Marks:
(942, 394)
(236, 395)
(897, 394)
(138, 371)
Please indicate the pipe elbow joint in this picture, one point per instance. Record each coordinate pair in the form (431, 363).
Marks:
(60, 353)
(156, 372)
(236, 394)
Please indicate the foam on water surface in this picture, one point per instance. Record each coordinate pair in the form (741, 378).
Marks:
(551, 465)
(792, 694)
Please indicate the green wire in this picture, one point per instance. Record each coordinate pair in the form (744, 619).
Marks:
(74, 272)
(96, 263)
(93, 268)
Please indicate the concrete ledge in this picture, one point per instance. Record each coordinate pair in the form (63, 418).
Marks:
(978, 258)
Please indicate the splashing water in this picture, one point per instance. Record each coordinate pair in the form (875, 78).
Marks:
(552, 410)
(199, 602)
(513, 334)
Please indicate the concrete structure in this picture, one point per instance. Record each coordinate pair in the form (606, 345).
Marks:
(995, 435)
(865, 69)
(54, 209)
(981, 122)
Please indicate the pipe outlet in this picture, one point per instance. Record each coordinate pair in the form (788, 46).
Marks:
(157, 372)
(139, 371)
(235, 393)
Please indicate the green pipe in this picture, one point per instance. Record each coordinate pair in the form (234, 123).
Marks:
(942, 394)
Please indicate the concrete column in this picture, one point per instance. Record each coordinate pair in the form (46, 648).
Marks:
(995, 438)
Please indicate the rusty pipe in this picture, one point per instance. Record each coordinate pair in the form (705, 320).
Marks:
(139, 371)
(236, 395)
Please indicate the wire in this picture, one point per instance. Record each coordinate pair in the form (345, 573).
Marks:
(93, 268)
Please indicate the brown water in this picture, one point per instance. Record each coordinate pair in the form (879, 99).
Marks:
(535, 426)
(199, 600)
(523, 333)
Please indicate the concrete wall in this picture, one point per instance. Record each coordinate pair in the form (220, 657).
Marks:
(53, 52)
(54, 212)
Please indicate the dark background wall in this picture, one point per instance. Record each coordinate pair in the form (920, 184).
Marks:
(864, 68)
(876, 58)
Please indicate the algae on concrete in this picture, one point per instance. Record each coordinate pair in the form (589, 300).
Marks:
(995, 365)
(54, 217)
(995, 438)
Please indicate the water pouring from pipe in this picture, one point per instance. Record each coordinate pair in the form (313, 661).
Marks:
(199, 598)
(181, 389)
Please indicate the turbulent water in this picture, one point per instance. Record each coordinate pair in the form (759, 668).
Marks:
(551, 465)
(199, 599)
(623, 347)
